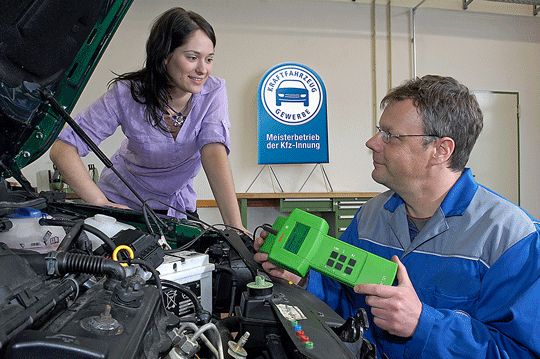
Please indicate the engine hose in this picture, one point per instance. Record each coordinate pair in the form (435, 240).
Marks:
(230, 324)
(69, 223)
(275, 347)
(35, 259)
(226, 327)
(234, 280)
(71, 236)
(83, 263)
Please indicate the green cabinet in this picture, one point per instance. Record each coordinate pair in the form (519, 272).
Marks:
(337, 208)
(338, 212)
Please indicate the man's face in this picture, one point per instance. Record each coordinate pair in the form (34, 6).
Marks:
(401, 164)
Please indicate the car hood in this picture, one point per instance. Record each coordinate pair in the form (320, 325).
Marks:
(52, 46)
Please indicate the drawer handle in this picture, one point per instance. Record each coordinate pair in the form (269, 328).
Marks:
(306, 199)
(350, 207)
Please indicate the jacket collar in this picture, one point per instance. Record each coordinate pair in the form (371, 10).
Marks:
(456, 201)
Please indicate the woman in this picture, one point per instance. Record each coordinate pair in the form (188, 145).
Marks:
(175, 117)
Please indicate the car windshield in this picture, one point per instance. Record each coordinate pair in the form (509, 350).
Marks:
(292, 84)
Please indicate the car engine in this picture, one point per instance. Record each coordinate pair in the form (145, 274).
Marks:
(132, 298)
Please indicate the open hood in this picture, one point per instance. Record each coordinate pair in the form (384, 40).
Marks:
(52, 47)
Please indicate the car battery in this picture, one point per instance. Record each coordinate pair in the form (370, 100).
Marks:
(192, 270)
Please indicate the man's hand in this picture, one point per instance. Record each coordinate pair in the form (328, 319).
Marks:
(270, 268)
(395, 309)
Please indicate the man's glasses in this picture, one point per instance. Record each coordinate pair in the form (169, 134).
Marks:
(386, 137)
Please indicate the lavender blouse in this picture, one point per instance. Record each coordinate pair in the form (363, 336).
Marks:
(153, 162)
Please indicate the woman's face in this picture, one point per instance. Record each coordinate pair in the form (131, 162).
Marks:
(190, 65)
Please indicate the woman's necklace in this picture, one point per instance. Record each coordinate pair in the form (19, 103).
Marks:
(178, 118)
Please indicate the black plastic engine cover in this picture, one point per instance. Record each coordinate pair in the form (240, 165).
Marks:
(97, 327)
(262, 315)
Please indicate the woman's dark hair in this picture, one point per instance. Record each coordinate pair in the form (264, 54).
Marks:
(150, 85)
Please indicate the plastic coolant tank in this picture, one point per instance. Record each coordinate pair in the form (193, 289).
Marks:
(108, 225)
(27, 233)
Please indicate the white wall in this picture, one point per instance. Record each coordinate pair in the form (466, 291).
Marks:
(484, 51)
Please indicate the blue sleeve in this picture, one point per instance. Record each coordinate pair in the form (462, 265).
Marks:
(504, 322)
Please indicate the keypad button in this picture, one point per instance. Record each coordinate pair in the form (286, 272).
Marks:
(342, 258)
(339, 266)
(348, 270)
(352, 262)
(330, 263)
(334, 255)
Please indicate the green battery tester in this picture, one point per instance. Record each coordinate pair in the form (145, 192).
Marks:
(301, 242)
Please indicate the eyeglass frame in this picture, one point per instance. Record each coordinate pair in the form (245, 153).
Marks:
(387, 136)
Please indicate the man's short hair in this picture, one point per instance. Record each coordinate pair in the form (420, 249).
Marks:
(447, 109)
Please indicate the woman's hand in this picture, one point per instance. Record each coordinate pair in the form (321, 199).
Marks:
(69, 163)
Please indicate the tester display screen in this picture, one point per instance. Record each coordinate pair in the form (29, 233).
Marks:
(297, 237)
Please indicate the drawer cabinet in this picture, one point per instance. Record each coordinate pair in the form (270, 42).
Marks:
(345, 209)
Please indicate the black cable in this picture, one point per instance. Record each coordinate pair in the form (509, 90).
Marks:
(76, 229)
(234, 285)
(269, 229)
(275, 347)
(231, 227)
(106, 239)
(226, 326)
(69, 223)
(252, 266)
(37, 203)
(265, 226)
(195, 219)
(159, 222)
(190, 243)
(148, 210)
(188, 215)
(154, 272)
(147, 220)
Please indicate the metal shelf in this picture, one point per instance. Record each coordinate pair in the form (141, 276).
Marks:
(535, 4)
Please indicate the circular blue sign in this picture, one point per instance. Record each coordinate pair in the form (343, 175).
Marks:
(291, 94)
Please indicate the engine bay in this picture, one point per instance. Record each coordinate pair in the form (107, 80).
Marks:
(130, 297)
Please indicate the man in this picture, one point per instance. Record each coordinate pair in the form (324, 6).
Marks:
(468, 260)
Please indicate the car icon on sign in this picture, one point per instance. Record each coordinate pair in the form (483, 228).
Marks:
(292, 91)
